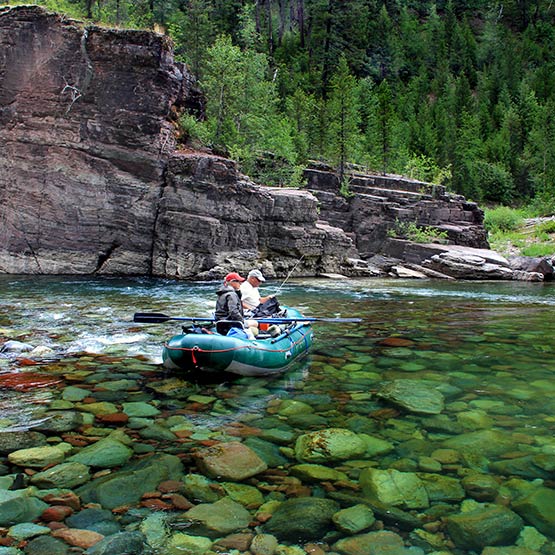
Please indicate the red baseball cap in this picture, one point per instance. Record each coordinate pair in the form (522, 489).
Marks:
(233, 276)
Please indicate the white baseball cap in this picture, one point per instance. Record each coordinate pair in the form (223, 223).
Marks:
(257, 274)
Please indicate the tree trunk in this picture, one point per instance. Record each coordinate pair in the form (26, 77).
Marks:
(301, 22)
(270, 27)
(326, 69)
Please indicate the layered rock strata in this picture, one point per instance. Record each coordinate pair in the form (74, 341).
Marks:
(90, 181)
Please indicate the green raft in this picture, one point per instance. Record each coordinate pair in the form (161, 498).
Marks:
(201, 350)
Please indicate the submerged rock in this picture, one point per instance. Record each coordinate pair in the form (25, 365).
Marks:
(538, 508)
(332, 444)
(489, 525)
(232, 461)
(416, 396)
(304, 518)
(391, 487)
(217, 519)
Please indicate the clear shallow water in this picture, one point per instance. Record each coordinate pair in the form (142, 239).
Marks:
(490, 345)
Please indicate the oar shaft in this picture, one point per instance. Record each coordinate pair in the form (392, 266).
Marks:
(156, 318)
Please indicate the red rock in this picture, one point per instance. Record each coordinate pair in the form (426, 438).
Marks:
(239, 541)
(156, 505)
(396, 342)
(170, 486)
(115, 418)
(178, 501)
(56, 525)
(68, 499)
(77, 537)
(152, 495)
(56, 513)
(22, 381)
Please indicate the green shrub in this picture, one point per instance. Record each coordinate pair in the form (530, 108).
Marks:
(547, 227)
(539, 249)
(417, 234)
(502, 218)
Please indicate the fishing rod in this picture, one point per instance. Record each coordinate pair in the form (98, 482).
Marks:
(289, 274)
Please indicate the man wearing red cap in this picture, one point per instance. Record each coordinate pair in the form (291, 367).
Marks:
(228, 305)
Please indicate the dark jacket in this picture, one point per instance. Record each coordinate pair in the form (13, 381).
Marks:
(228, 305)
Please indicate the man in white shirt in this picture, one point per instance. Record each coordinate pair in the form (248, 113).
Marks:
(250, 295)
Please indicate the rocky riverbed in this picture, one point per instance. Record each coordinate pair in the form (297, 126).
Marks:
(402, 437)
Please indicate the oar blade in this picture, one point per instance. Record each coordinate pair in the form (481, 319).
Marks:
(150, 317)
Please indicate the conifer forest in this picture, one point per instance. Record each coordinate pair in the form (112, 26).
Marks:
(458, 92)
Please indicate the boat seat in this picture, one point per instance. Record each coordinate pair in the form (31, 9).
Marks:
(223, 326)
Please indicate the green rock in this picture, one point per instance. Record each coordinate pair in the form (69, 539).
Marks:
(269, 452)
(185, 544)
(538, 508)
(98, 409)
(44, 545)
(12, 441)
(19, 506)
(15, 551)
(122, 543)
(105, 453)
(157, 432)
(481, 487)
(317, 473)
(355, 519)
(487, 443)
(37, 457)
(154, 528)
(373, 543)
(474, 420)
(289, 407)
(75, 394)
(442, 488)
(375, 446)
(509, 550)
(391, 487)
(416, 396)
(59, 421)
(302, 518)
(490, 525)
(200, 489)
(139, 409)
(276, 435)
(531, 538)
(65, 475)
(27, 530)
(217, 519)
(248, 496)
(329, 445)
(119, 385)
(128, 485)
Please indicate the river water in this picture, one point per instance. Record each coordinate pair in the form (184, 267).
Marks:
(490, 345)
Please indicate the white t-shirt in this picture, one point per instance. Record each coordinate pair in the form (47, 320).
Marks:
(250, 295)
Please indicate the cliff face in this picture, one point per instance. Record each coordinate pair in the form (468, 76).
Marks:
(85, 132)
(89, 178)
(91, 183)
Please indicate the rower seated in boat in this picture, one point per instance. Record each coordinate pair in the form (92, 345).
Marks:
(229, 308)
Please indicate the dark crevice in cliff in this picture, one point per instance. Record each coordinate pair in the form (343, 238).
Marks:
(103, 257)
(153, 233)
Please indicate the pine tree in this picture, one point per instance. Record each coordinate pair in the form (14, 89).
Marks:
(343, 117)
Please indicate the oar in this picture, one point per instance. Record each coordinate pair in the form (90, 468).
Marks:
(157, 318)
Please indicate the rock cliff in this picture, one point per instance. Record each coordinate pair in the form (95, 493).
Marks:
(89, 178)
